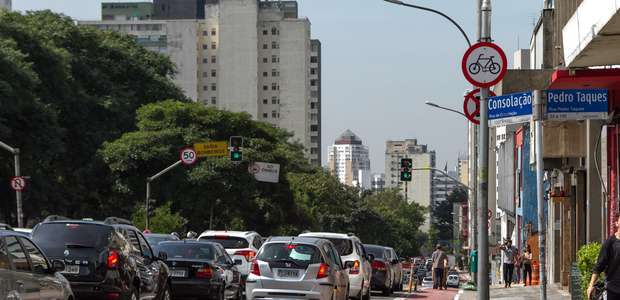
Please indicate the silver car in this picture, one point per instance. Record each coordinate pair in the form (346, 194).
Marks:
(297, 267)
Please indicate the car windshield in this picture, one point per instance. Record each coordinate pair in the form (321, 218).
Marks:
(228, 242)
(299, 254)
(201, 251)
(377, 251)
(344, 246)
(55, 237)
(156, 239)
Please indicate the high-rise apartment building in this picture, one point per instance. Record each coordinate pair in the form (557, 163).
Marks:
(420, 189)
(348, 160)
(378, 182)
(253, 56)
(443, 185)
(5, 4)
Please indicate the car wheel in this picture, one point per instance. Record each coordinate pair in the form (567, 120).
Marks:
(166, 294)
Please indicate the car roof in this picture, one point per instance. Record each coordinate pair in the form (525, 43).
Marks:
(12, 233)
(159, 235)
(89, 222)
(297, 239)
(348, 236)
(375, 246)
(229, 233)
(192, 242)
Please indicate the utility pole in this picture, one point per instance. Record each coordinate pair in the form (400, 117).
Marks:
(538, 111)
(148, 189)
(483, 169)
(18, 193)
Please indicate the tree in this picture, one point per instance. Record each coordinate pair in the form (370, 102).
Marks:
(442, 218)
(162, 220)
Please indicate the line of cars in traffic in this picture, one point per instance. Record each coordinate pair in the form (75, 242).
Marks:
(111, 259)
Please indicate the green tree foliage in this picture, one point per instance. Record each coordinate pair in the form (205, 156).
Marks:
(442, 220)
(64, 90)
(586, 260)
(162, 220)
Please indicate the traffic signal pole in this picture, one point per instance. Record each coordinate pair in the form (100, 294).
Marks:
(148, 189)
(18, 194)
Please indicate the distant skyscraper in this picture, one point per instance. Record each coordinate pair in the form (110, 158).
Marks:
(420, 189)
(5, 4)
(348, 160)
(378, 182)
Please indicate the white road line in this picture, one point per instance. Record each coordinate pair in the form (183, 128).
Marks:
(458, 295)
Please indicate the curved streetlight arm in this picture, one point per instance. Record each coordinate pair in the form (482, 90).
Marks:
(445, 108)
(433, 11)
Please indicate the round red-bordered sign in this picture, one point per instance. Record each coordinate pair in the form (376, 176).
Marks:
(484, 64)
(18, 183)
(188, 156)
(473, 115)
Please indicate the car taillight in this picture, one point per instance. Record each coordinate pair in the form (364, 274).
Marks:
(255, 268)
(377, 265)
(113, 259)
(204, 272)
(323, 271)
(248, 254)
(356, 268)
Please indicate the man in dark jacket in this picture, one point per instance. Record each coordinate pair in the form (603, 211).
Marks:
(608, 262)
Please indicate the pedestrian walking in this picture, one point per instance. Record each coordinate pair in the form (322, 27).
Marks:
(509, 252)
(527, 264)
(608, 262)
(439, 259)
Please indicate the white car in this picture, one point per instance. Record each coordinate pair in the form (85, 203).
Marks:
(427, 281)
(355, 259)
(242, 246)
(453, 281)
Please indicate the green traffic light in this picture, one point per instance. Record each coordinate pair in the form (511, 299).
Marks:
(235, 156)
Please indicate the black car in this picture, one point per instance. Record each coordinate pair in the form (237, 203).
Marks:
(104, 260)
(25, 272)
(201, 270)
(155, 238)
(381, 269)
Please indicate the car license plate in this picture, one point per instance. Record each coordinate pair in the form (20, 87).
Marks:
(178, 273)
(288, 273)
(71, 269)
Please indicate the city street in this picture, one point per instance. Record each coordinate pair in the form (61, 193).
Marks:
(422, 293)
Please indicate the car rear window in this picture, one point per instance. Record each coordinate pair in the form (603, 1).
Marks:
(376, 251)
(228, 242)
(188, 250)
(55, 237)
(154, 240)
(299, 254)
(344, 246)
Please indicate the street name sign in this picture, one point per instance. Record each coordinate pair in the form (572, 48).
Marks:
(577, 104)
(18, 183)
(484, 64)
(211, 149)
(510, 109)
(471, 106)
(265, 172)
(188, 156)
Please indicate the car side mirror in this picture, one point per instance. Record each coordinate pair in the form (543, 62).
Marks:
(349, 264)
(370, 257)
(162, 255)
(57, 266)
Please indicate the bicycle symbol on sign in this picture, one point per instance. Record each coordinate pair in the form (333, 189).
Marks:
(484, 64)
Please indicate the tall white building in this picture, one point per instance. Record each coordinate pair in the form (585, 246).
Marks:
(5, 4)
(348, 160)
(420, 189)
(254, 56)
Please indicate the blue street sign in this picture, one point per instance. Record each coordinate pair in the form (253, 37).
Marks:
(510, 109)
(577, 104)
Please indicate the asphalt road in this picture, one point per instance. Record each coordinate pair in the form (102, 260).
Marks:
(422, 293)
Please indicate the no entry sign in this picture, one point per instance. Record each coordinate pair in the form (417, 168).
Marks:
(471, 106)
(484, 64)
(18, 183)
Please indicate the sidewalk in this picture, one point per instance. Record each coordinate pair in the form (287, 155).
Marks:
(517, 292)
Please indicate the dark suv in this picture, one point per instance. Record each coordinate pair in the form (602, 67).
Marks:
(104, 260)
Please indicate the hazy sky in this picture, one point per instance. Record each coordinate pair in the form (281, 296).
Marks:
(382, 61)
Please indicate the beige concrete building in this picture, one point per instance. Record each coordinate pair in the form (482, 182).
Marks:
(5, 4)
(348, 159)
(245, 55)
(420, 189)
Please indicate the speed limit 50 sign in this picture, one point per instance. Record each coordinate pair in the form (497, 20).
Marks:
(188, 156)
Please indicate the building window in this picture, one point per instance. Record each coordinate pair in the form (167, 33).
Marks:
(204, 33)
(213, 87)
(265, 32)
(205, 88)
(274, 87)
(274, 59)
(264, 115)
(314, 117)
(274, 45)
(205, 60)
(265, 46)
(265, 88)
(265, 74)
(275, 73)
(313, 71)
(314, 139)
(274, 31)
(205, 74)
(313, 82)
(274, 100)
(265, 101)
(274, 114)
(213, 32)
(314, 94)
(314, 150)
(314, 59)
(213, 59)
(213, 100)
(205, 47)
(313, 105)
(213, 73)
(314, 127)
(213, 45)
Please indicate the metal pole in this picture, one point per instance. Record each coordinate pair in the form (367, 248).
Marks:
(538, 102)
(483, 172)
(406, 193)
(18, 194)
(147, 204)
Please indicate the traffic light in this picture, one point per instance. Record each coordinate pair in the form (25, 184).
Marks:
(406, 164)
(236, 146)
